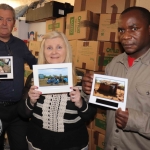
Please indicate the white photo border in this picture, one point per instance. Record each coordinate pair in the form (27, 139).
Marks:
(108, 102)
(7, 75)
(53, 89)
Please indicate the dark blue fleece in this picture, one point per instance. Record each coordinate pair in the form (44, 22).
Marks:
(11, 89)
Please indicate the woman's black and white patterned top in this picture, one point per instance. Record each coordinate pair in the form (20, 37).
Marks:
(56, 118)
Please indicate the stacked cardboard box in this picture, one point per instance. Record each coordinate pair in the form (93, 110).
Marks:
(95, 55)
(94, 51)
(103, 6)
(82, 25)
(58, 24)
(96, 129)
(27, 72)
(34, 47)
(50, 10)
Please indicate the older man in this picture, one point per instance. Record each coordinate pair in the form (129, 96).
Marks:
(11, 89)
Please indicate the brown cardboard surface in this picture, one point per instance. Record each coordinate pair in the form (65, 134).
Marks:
(95, 55)
(97, 140)
(50, 10)
(80, 73)
(79, 5)
(27, 70)
(36, 53)
(73, 44)
(103, 6)
(119, 5)
(34, 45)
(101, 114)
(83, 71)
(108, 27)
(82, 25)
(108, 50)
(56, 24)
(87, 55)
(99, 122)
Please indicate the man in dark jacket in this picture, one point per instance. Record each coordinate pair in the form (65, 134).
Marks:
(11, 89)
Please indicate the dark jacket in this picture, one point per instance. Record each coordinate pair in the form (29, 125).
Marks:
(11, 89)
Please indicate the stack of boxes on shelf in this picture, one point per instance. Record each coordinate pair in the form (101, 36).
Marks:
(34, 47)
(96, 129)
(42, 20)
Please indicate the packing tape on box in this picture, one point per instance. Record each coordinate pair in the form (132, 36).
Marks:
(87, 23)
(96, 134)
(127, 3)
(104, 5)
(112, 36)
(83, 3)
(113, 18)
(53, 24)
(114, 7)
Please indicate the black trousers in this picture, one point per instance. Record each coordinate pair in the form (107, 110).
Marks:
(15, 126)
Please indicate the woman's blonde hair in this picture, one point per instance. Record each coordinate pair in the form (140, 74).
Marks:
(68, 59)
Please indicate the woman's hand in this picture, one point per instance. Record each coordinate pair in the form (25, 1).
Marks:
(34, 94)
(75, 97)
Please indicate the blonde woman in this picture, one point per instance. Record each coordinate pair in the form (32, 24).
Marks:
(57, 120)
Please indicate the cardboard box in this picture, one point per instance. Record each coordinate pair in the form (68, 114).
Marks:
(98, 140)
(108, 27)
(103, 6)
(50, 10)
(34, 45)
(90, 139)
(82, 25)
(143, 3)
(87, 55)
(79, 5)
(27, 72)
(99, 123)
(108, 50)
(56, 25)
(95, 55)
(36, 53)
(80, 73)
(73, 44)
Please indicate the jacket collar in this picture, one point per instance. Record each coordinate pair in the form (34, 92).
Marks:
(10, 40)
(145, 58)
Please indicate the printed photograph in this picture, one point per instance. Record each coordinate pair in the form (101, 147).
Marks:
(109, 89)
(5, 65)
(53, 77)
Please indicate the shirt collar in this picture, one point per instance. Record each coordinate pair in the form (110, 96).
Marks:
(145, 58)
